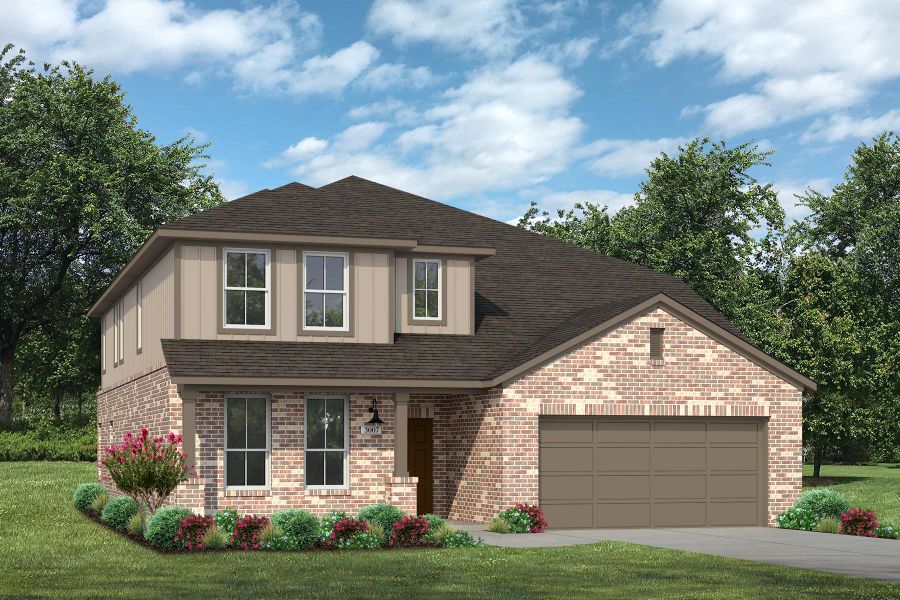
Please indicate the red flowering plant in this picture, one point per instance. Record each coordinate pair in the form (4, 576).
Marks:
(189, 534)
(524, 518)
(859, 521)
(246, 532)
(147, 469)
(349, 532)
(409, 531)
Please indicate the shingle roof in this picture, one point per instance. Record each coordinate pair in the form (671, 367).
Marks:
(534, 294)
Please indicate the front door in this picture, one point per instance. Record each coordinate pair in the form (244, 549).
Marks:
(419, 450)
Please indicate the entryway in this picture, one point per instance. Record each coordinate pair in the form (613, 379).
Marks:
(420, 450)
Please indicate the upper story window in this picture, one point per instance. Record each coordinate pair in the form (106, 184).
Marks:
(103, 344)
(326, 283)
(119, 325)
(427, 289)
(139, 314)
(247, 288)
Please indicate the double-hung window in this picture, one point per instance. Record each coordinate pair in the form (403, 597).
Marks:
(246, 441)
(427, 289)
(326, 283)
(327, 438)
(139, 314)
(247, 293)
(119, 325)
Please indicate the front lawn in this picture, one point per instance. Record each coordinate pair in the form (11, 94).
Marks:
(875, 486)
(52, 551)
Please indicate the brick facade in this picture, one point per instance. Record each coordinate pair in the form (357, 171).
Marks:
(485, 444)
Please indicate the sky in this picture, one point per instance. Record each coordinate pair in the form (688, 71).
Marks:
(488, 104)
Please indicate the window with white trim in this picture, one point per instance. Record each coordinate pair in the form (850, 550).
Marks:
(246, 441)
(246, 295)
(139, 313)
(326, 282)
(427, 299)
(103, 344)
(327, 442)
(119, 325)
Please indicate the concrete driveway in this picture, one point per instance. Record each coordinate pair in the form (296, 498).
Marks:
(844, 554)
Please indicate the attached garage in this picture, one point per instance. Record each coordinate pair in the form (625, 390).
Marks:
(652, 472)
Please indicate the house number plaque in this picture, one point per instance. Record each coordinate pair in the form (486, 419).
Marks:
(371, 429)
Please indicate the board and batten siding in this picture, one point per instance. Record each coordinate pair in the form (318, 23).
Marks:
(158, 323)
(201, 295)
(458, 304)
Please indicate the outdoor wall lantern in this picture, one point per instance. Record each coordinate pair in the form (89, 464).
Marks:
(375, 420)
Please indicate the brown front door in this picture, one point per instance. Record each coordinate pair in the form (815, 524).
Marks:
(420, 463)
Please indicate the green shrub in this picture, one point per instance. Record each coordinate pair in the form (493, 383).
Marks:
(434, 522)
(383, 514)
(328, 522)
(84, 495)
(226, 520)
(99, 502)
(829, 525)
(270, 533)
(163, 525)
(499, 525)
(438, 535)
(457, 538)
(797, 518)
(378, 531)
(118, 511)
(299, 527)
(823, 502)
(135, 525)
(215, 538)
(50, 442)
(888, 530)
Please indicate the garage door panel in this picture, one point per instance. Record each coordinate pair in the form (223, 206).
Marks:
(567, 432)
(679, 459)
(626, 432)
(733, 513)
(733, 486)
(623, 515)
(679, 514)
(567, 459)
(567, 487)
(623, 459)
(674, 487)
(740, 433)
(622, 487)
(574, 515)
(733, 459)
(680, 432)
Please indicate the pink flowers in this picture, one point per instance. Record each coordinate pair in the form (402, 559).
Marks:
(409, 531)
(246, 531)
(859, 521)
(190, 534)
(346, 528)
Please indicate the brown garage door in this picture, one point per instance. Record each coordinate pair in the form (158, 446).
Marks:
(652, 472)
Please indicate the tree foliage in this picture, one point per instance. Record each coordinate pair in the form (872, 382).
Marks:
(81, 187)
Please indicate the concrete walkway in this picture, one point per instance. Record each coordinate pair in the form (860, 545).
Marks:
(843, 554)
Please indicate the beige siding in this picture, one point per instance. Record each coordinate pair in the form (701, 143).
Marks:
(458, 304)
(370, 297)
(158, 323)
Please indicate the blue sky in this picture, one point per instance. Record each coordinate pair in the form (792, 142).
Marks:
(488, 104)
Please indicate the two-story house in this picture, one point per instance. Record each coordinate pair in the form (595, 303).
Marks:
(504, 367)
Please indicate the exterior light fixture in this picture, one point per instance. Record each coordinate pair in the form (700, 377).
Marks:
(375, 420)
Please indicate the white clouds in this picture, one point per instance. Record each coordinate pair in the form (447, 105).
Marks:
(842, 126)
(553, 201)
(626, 158)
(392, 75)
(305, 148)
(359, 137)
(788, 191)
(804, 57)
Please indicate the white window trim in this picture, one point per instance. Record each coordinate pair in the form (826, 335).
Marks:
(225, 288)
(346, 443)
(440, 291)
(268, 448)
(139, 314)
(103, 344)
(119, 326)
(346, 291)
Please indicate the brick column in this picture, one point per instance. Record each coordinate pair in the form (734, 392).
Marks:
(401, 416)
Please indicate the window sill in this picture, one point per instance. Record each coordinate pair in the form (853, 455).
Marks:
(239, 493)
(657, 362)
(328, 492)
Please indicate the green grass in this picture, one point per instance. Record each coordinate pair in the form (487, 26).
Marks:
(51, 551)
(875, 486)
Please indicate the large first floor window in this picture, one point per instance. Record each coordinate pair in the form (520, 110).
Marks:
(326, 442)
(247, 285)
(246, 441)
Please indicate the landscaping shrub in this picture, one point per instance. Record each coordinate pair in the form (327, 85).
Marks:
(457, 538)
(99, 502)
(383, 514)
(829, 525)
(299, 527)
(215, 538)
(887, 530)
(498, 525)
(408, 532)
(49, 441)
(247, 530)
(348, 533)
(135, 525)
(823, 502)
(226, 520)
(797, 518)
(272, 536)
(146, 469)
(328, 522)
(163, 525)
(434, 522)
(118, 511)
(84, 495)
(859, 521)
(191, 530)
(379, 532)
(524, 518)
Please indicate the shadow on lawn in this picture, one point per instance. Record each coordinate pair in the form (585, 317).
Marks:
(809, 481)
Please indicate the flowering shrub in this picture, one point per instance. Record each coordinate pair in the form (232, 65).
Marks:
(408, 532)
(85, 494)
(246, 532)
(189, 534)
(859, 521)
(226, 520)
(797, 518)
(328, 522)
(164, 524)
(823, 502)
(887, 530)
(457, 538)
(524, 518)
(383, 514)
(351, 533)
(147, 469)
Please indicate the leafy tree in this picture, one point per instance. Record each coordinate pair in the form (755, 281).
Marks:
(81, 187)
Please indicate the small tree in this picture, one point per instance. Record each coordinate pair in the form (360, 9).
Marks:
(147, 470)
